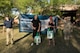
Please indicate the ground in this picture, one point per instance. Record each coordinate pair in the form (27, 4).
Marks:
(23, 41)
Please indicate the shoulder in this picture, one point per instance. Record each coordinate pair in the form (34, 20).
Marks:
(49, 22)
(39, 21)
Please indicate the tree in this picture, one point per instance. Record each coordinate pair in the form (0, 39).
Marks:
(22, 4)
(5, 6)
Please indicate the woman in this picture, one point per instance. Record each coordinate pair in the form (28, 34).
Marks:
(51, 26)
(35, 26)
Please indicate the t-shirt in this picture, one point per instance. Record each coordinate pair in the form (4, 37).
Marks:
(51, 24)
(36, 23)
(8, 24)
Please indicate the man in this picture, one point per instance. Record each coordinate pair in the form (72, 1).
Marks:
(8, 25)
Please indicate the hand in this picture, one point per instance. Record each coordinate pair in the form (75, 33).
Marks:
(34, 28)
(49, 26)
(38, 30)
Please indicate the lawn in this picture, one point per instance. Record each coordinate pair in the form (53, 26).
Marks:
(23, 41)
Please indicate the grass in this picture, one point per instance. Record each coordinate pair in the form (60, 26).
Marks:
(23, 41)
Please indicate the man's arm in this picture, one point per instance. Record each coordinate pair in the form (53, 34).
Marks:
(4, 29)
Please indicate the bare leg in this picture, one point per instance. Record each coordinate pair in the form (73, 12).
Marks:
(49, 42)
(53, 42)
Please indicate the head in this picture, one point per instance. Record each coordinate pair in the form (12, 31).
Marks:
(67, 18)
(35, 17)
(6, 17)
(50, 18)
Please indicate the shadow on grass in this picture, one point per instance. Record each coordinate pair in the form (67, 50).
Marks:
(76, 35)
(22, 37)
(60, 47)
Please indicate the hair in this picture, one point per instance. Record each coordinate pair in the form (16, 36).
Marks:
(6, 16)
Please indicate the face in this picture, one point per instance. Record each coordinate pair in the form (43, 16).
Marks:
(35, 17)
(51, 20)
(65, 18)
(6, 18)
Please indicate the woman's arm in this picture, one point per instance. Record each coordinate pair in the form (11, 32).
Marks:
(32, 26)
(39, 27)
(16, 20)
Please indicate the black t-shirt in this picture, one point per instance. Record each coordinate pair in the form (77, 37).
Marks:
(36, 23)
(51, 24)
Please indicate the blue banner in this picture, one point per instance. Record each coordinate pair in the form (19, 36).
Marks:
(25, 22)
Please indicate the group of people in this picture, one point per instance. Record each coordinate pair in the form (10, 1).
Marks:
(36, 26)
(67, 27)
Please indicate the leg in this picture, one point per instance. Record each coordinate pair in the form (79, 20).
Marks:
(53, 41)
(49, 42)
(7, 36)
(11, 34)
(34, 34)
(65, 35)
(69, 35)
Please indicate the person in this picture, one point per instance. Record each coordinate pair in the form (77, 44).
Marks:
(67, 28)
(35, 23)
(8, 27)
(55, 18)
(51, 26)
